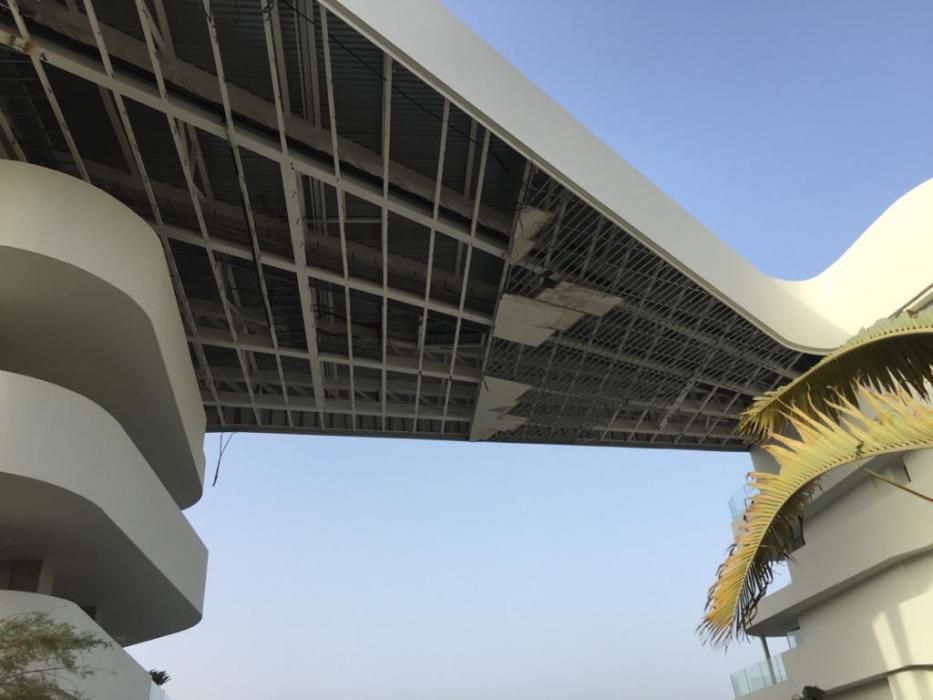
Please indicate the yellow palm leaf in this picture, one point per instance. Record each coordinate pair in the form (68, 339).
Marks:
(894, 353)
(826, 439)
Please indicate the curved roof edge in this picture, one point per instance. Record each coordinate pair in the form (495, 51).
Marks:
(814, 315)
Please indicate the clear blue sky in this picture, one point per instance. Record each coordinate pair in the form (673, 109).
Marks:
(401, 570)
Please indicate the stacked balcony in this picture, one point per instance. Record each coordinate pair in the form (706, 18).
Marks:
(100, 425)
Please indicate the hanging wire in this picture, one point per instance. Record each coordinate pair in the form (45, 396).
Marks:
(223, 444)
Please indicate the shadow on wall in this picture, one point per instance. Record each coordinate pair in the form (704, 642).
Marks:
(901, 644)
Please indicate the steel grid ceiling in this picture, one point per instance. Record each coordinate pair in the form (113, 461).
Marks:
(339, 232)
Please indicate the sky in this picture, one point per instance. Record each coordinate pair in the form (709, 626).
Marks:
(366, 569)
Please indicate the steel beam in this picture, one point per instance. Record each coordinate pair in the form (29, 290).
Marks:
(193, 80)
(10, 136)
(182, 108)
(147, 23)
(116, 181)
(244, 192)
(27, 40)
(478, 196)
(438, 180)
(239, 250)
(139, 167)
(341, 196)
(396, 363)
(384, 229)
(336, 383)
(337, 406)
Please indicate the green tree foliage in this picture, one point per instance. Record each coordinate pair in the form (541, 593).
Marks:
(810, 692)
(159, 677)
(41, 658)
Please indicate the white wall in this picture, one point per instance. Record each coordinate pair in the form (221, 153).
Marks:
(862, 592)
(872, 525)
(96, 510)
(914, 684)
(874, 690)
(101, 421)
(88, 304)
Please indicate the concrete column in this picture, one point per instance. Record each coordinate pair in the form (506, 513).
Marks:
(764, 646)
(763, 462)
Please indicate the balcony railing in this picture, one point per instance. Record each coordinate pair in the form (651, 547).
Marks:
(740, 499)
(762, 675)
(156, 693)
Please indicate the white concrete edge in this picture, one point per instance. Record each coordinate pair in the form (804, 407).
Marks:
(886, 548)
(119, 235)
(88, 454)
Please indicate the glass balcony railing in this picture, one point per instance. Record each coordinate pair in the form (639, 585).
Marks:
(156, 693)
(740, 499)
(758, 676)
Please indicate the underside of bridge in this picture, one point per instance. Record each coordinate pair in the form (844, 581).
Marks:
(353, 251)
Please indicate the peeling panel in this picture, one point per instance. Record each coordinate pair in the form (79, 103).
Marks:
(531, 322)
(496, 398)
(529, 225)
(582, 299)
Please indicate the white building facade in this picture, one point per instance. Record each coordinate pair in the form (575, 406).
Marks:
(101, 426)
(857, 609)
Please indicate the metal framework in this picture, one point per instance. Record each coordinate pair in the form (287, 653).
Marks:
(340, 235)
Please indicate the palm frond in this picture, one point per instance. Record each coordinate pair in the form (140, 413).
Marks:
(826, 439)
(894, 353)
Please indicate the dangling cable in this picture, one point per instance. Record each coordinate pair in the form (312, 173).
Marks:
(220, 455)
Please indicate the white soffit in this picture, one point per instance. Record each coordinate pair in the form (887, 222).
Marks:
(528, 226)
(496, 398)
(531, 322)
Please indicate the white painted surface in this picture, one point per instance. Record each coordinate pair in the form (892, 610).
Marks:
(875, 690)
(75, 491)
(496, 398)
(877, 628)
(814, 315)
(913, 684)
(529, 321)
(862, 590)
(86, 302)
(871, 527)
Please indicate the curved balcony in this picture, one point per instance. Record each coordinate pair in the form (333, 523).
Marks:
(88, 304)
(873, 528)
(118, 676)
(77, 495)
